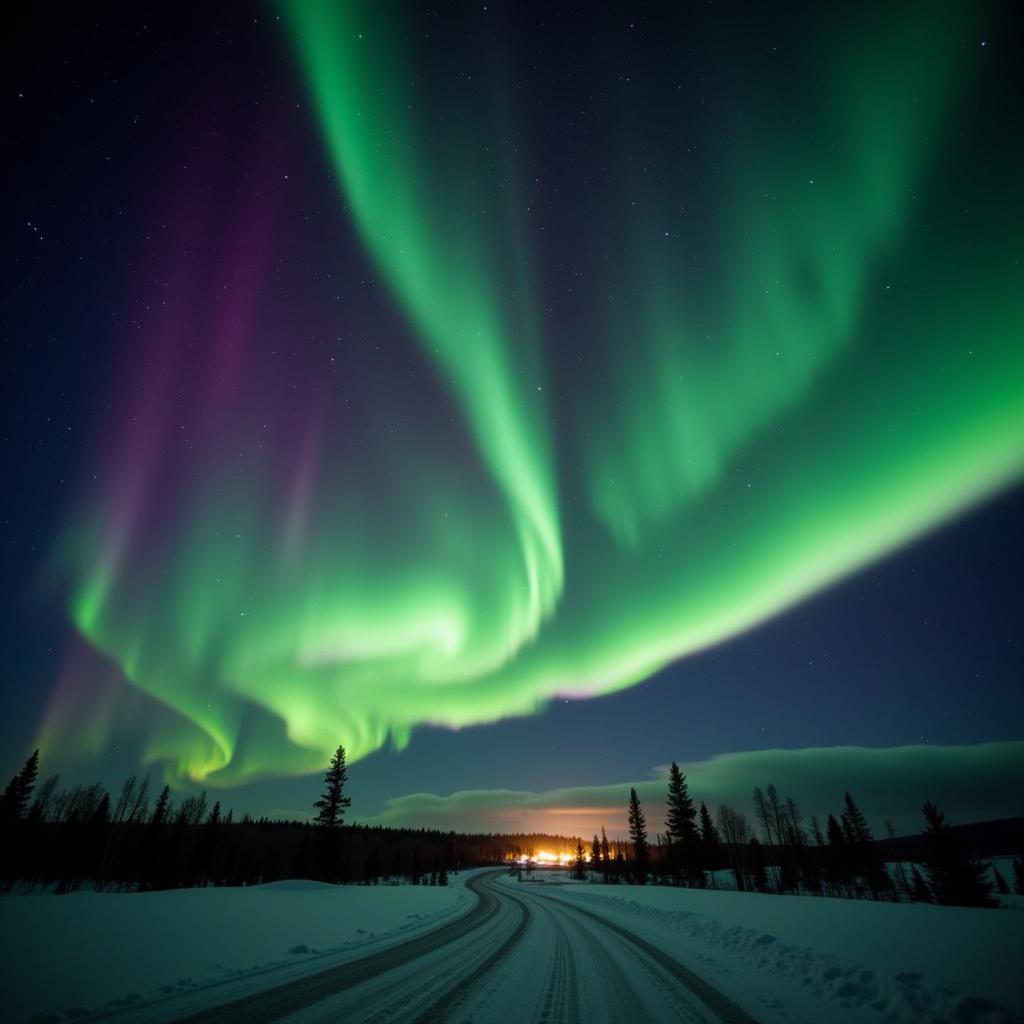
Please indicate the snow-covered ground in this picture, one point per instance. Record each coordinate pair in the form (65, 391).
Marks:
(827, 959)
(779, 959)
(66, 956)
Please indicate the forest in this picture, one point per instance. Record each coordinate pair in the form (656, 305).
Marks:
(133, 840)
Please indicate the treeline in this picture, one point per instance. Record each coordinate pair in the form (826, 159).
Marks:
(129, 841)
(779, 853)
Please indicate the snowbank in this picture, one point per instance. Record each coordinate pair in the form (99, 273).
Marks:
(64, 956)
(829, 959)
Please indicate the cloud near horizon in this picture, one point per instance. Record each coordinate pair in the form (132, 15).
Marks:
(970, 783)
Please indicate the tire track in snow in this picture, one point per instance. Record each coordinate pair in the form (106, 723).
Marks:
(727, 1011)
(562, 999)
(457, 996)
(272, 1004)
(613, 991)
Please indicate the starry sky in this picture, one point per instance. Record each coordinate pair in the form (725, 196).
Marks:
(523, 398)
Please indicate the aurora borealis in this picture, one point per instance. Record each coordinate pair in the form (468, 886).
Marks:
(488, 358)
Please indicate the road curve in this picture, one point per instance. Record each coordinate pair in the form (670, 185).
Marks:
(521, 954)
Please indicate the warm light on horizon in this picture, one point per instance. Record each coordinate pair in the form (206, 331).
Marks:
(546, 858)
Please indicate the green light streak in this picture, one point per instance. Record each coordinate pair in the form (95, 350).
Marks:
(746, 422)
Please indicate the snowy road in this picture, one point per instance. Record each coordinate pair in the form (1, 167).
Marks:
(520, 954)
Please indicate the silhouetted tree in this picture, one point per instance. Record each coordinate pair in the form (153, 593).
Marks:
(40, 809)
(162, 809)
(792, 845)
(605, 856)
(865, 857)
(710, 844)
(837, 858)
(579, 869)
(736, 837)
(681, 831)
(333, 803)
(638, 837)
(619, 866)
(15, 797)
(957, 878)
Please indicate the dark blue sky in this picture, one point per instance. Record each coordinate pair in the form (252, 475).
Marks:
(924, 647)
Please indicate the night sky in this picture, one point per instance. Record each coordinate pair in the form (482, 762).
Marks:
(523, 399)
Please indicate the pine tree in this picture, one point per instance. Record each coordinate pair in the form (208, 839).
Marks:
(681, 832)
(710, 842)
(333, 802)
(957, 878)
(595, 854)
(837, 858)
(638, 837)
(855, 825)
(579, 870)
(866, 859)
(40, 809)
(163, 807)
(605, 856)
(14, 801)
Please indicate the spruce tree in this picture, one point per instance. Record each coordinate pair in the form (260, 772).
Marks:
(162, 810)
(855, 825)
(638, 837)
(40, 809)
(15, 798)
(595, 854)
(837, 858)
(579, 870)
(957, 878)
(866, 860)
(333, 802)
(681, 832)
(710, 842)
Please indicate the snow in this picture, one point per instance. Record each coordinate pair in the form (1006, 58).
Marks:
(829, 959)
(83, 952)
(792, 959)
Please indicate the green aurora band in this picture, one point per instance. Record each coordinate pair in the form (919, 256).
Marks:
(817, 363)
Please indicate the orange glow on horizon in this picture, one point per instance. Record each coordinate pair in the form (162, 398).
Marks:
(546, 858)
